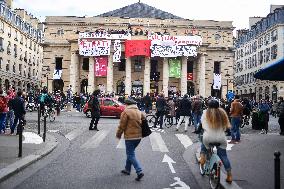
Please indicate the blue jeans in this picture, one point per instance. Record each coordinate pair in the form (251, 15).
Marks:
(235, 130)
(2, 121)
(222, 153)
(10, 118)
(131, 158)
(12, 127)
(197, 120)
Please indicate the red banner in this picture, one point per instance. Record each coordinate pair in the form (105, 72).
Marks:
(189, 76)
(137, 47)
(101, 66)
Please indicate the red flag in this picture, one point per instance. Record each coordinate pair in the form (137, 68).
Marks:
(101, 66)
(137, 47)
(189, 76)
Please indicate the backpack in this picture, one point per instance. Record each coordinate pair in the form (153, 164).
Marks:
(2, 104)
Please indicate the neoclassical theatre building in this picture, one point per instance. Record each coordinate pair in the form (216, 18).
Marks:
(146, 50)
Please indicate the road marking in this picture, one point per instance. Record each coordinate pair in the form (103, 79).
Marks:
(185, 140)
(53, 131)
(121, 144)
(170, 162)
(32, 138)
(95, 141)
(179, 184)
(73, 134)
(158, 143)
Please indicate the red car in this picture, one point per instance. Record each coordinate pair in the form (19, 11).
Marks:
(109, 107)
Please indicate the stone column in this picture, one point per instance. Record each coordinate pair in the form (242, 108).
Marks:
(183, 79)
(202, 89)
(165, 76)
(74, 71)
(110, 74)
(128, 76)
(147, 76)
(91, 75)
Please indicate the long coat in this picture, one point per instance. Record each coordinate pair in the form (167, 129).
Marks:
(185, 107)
(96, 110)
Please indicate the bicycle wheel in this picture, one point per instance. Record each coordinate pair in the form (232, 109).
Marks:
(167, 122)
(214, 176)
(151, 120)
(51, 116)
(243, 123)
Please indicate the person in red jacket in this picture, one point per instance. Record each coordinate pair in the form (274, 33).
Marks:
(3, 111)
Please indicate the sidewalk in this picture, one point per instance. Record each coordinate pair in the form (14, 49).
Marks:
(33, 149)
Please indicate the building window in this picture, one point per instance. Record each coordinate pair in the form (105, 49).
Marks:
(121, 65)
(217, 67)
(26, 56)
(9, 48)
(138, 65)
(9, 31)
(60, 32)
(14, 67)
(85, 65)
(1, 62)
(260, 42)
(217, 36)
(58, 63)
(1, 44)
(16, 36)
(20, 69)
(267, 39)
(8, 66)
(21, 39)
(2, 27)
(267, 55)
(273, 52)
(274, 35)
(15, 50)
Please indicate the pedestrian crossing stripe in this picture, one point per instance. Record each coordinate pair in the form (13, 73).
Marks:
(185, 140)
(121, 144)
(95, 141)
(157, 142)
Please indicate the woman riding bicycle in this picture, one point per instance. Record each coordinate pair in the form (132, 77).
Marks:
(214, 122)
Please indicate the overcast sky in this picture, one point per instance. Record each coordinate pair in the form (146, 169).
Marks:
(237, 11)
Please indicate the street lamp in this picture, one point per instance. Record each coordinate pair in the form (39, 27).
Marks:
(227, 78)
(46, 74)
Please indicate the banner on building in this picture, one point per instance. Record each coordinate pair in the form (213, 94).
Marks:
(89, 47)
(175, 68)
(217, 81)
(101, 66)
(117, 51)
(175, 40)
(57, 74)
(173, 51)
(103, 35)
(189, 76)
(137, 48)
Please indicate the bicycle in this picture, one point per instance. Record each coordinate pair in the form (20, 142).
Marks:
(152, 119)
(245, 121)
(49, 112)
(212, 166)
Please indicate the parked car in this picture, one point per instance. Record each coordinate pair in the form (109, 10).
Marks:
(109, 107)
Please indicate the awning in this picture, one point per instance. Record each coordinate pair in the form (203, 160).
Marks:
(273, 72)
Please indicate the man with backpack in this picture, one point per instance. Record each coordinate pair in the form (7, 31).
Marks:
(94, 105)
(3, 111)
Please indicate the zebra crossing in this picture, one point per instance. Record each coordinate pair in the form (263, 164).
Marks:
(156, 140)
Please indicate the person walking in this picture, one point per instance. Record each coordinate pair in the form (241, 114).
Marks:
(171, 106)
(161, 107)
(94, 104)
(281, 115)
(3, 111)
(197, 112)
(147, 103)
(236, 113)
(130, 126)
(18, 106)
(264, 116)
(214, 122)
(185, 112)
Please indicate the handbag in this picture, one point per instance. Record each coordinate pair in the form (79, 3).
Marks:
(146, 131)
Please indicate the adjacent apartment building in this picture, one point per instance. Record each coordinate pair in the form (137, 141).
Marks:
(90, 53)
(256, 48)
(21, 52)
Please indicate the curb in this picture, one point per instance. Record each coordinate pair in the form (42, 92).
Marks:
(223, 182)
(26, 161)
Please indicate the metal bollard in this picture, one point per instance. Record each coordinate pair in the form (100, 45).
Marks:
(38, 120)
(277, 169)
(20, 130)
(44, 128)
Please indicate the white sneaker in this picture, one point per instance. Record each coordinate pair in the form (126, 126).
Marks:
(262, 131)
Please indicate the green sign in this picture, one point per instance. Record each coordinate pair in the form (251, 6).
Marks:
(175, 68)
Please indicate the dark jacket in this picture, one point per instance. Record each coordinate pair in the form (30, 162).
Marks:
(185, 107)
(161, 104)
(18, 106)
(281, 109)
(147, 101)
(96, 107)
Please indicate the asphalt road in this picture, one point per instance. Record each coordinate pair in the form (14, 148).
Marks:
(91, 159)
